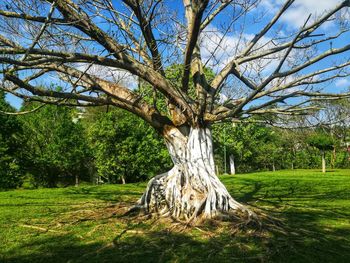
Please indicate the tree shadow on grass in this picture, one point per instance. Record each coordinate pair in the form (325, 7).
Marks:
(281, 192)
(111, 195)
(154, 246)
(220, 245)
(308, 234)
(319, 233)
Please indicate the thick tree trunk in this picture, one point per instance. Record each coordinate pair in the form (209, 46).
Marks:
(190, 190)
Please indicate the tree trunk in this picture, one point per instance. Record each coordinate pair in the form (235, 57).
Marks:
(76, 180)
(232, 165)
(334, 158)
(191, 189)
(123, 179)
(323, 162)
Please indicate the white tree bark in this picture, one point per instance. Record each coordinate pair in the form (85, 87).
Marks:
(191, 189)
(232, 165)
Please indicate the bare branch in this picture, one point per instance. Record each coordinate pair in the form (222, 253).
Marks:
(146, 28)
(217, 11)
(22, 112)
(40, 19)
(258, 36)
(302, 34)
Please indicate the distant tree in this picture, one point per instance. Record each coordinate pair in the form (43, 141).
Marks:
(324, 142)
(335, 118)
(248, 143)
(11, 171)
(291, 143)
(271, 150)
(56, 148)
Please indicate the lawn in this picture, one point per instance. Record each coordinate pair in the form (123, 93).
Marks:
(84, 224)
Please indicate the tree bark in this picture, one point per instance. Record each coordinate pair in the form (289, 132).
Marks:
(190, 190)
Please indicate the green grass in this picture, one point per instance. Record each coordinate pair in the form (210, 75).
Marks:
(84, 224)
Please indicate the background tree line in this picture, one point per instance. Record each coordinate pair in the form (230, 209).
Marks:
(61, 146)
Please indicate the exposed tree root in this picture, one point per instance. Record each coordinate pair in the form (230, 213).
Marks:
(187, 198)
(42, 229)
(235, 222)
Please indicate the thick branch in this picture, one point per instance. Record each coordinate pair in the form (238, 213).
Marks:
(119, 95)
(156, 79)
(194, 12)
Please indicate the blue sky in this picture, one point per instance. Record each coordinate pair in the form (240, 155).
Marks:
(14, 101)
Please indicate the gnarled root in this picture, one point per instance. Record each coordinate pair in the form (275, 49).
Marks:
(191, 198)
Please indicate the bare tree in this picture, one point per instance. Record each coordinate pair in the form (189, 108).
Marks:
(277, 69)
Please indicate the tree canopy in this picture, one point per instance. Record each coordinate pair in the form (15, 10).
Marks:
(90, 45)
(55, 148)
(322, 141)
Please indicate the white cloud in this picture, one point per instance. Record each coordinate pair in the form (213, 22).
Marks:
(272, 5)
(297, 14)
(219, 49)
(342, 83)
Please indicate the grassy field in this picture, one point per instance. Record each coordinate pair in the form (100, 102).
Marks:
(85, 225)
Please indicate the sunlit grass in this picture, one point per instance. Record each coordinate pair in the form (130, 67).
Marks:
(84, 224)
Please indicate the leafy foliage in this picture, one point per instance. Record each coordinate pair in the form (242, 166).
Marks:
(254, 146)
(10, 128)
(257, 147)
(125, 147)
(56, 150)
(321, 141)
(53, 146)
